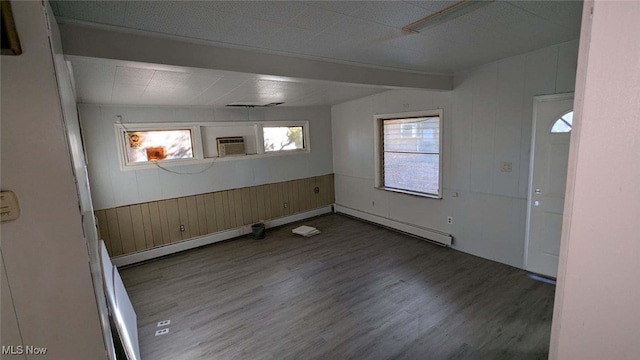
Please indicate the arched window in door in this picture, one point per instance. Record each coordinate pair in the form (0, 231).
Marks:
(563, 124)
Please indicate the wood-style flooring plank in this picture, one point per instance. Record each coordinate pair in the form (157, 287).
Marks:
(354, 291)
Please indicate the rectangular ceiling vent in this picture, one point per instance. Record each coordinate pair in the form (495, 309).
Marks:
(254, 104)
(449, 13)
(231, 146)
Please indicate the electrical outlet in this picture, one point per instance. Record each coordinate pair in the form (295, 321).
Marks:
(449, 220)
(507, 166)
(182, 228)
(285, 205)
(164, 323)
(162, 332)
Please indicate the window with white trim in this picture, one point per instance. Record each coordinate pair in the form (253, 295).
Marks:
(144, 146)
(283, 138)
(410, 153)
(151, 145)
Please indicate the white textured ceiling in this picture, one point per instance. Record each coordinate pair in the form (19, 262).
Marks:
(102, 81)
(356, 32)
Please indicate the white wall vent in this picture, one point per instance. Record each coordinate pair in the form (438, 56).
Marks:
(231, 146)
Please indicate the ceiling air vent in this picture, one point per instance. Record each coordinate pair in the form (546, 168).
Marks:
(250, 104)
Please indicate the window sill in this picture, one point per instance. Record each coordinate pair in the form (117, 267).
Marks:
(173, 163)
(408, 192)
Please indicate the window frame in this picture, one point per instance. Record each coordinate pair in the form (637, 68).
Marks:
(561, 118)
(198, 147)
(125, 164)
(306, 142)
(379, 149)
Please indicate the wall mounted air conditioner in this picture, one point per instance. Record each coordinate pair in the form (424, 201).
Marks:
(231, 146)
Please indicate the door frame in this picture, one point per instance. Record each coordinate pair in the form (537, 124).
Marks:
(537, 100)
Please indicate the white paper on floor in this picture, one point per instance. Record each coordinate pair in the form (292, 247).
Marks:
(305, 231)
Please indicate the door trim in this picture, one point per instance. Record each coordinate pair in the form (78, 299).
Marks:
(536, 101)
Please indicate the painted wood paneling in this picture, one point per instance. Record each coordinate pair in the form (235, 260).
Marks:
(114, 231)
(101, 218)
(173, 220)
(126, 229)
(146, 222)
(201, 214)
(487, 121)
(137, 227)
(210, 210)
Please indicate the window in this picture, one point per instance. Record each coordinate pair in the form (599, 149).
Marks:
(563, 124)
(409, 153)
(284, 138)
(158, 145)
(144, 146)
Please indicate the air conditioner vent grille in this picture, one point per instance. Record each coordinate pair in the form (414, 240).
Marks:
(228, 146)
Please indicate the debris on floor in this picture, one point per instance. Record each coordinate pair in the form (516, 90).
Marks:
(305, 231)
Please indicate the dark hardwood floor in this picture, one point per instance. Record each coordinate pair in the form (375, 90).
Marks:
(355, 291)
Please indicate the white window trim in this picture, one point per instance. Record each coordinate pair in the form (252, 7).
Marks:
(378, 121)
(305, 133)
(125, 164)
(196, 140)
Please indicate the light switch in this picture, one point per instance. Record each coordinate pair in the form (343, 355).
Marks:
(506, 166)
(9, 208)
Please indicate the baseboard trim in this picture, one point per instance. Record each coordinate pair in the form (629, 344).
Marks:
(168, 249)
(429, 234)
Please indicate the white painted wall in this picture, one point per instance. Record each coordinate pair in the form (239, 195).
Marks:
(596, 312)
(487, 120)
(44, 251)
(78, 162)
(112, 187)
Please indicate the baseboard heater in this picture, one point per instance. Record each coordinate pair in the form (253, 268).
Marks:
(437, 237)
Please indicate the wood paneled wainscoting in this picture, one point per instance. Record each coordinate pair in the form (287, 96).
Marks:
(133, 228)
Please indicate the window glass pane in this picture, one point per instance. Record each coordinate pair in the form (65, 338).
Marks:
(411, 154)
(412, 172)
(568, 117)
(278, 138)
(145, 146)
(420, 135)
(563, 124)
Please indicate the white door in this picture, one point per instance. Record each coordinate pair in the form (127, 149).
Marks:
(553, 118)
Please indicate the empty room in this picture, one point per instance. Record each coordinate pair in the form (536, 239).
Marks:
(320, 179)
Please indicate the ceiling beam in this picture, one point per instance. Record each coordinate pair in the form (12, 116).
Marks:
(81, 40)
